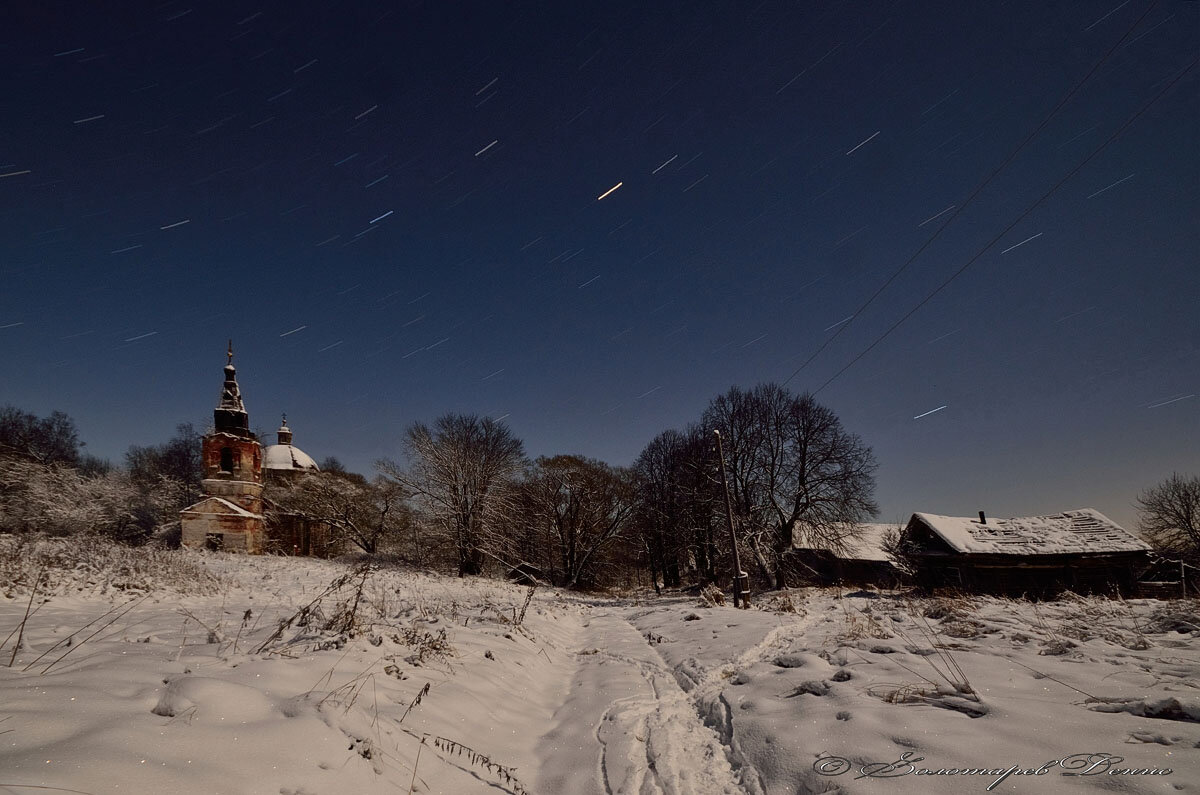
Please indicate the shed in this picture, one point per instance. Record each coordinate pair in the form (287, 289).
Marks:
(1080, 550)
(860, 560)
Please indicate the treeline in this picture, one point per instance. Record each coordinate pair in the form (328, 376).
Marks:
(463, 496)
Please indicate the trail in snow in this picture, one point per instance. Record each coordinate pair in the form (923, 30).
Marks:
(705, 671)
(626, 711)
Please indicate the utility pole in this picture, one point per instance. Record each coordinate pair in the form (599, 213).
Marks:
(739, 599)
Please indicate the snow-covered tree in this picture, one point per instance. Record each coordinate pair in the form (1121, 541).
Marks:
(356, 511)
(60, 500)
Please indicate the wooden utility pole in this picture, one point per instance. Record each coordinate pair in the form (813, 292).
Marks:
(739, 599)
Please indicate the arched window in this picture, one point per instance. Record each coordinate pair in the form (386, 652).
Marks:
(226, 459)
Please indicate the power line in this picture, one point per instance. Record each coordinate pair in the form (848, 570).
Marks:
(1012, 156)
(1018, 220)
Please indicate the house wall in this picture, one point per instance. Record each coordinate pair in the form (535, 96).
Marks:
(233, 533)
(289, 534)
(1033, 575)
(820, 567)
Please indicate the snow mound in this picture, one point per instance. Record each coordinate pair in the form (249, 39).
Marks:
(208, 699)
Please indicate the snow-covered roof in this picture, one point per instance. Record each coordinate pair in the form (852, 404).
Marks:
(287, 456)
(1070, 532)
(867, 545)
(223, 508)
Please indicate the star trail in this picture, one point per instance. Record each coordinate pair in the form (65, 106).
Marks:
(592, 220)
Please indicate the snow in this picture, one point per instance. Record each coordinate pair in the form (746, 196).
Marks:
(286, 456)
(869, 545)
(224, 508)
(478, 691)
(1070, 532)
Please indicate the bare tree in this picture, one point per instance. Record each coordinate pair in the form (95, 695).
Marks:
(356, 511)
(333, 464)
(48, 440)
(678, 506)
(659, 507)
(1170, 515)
(178, 460)
(462, 472)
(795, 473)
(583, 506)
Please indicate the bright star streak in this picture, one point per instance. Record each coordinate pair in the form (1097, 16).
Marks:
(1023, 242)
(864, 143)
(1168, 402)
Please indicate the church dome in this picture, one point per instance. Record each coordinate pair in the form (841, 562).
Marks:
(285, 455)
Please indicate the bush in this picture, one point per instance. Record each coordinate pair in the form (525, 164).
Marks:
(91, 564)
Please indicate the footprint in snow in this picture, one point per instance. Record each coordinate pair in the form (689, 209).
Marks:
(810, 688)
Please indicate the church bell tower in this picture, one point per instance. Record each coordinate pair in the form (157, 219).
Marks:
(230, 515)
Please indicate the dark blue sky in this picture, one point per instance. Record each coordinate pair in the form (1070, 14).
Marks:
(392, 210)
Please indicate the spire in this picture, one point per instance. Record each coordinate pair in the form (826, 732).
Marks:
(284, 432)
(230, 415)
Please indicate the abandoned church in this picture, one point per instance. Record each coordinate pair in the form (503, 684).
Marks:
(233, 514)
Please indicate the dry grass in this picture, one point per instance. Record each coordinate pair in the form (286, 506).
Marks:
(1079, 619)
(782, 602)
(1182, 615)
(711, 596)
(333, 612)
(425, 645)
(859, 624)
(91, 564)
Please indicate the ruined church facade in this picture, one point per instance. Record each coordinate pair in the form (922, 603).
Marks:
(233, 515)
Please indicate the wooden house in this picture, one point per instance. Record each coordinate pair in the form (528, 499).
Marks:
(1081, 550)
(860, 559)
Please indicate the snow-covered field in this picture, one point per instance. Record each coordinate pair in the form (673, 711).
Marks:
(291, 676)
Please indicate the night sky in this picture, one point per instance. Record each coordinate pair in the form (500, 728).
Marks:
(394, 211)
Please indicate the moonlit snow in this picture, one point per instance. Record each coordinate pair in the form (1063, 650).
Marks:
(272, 680)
